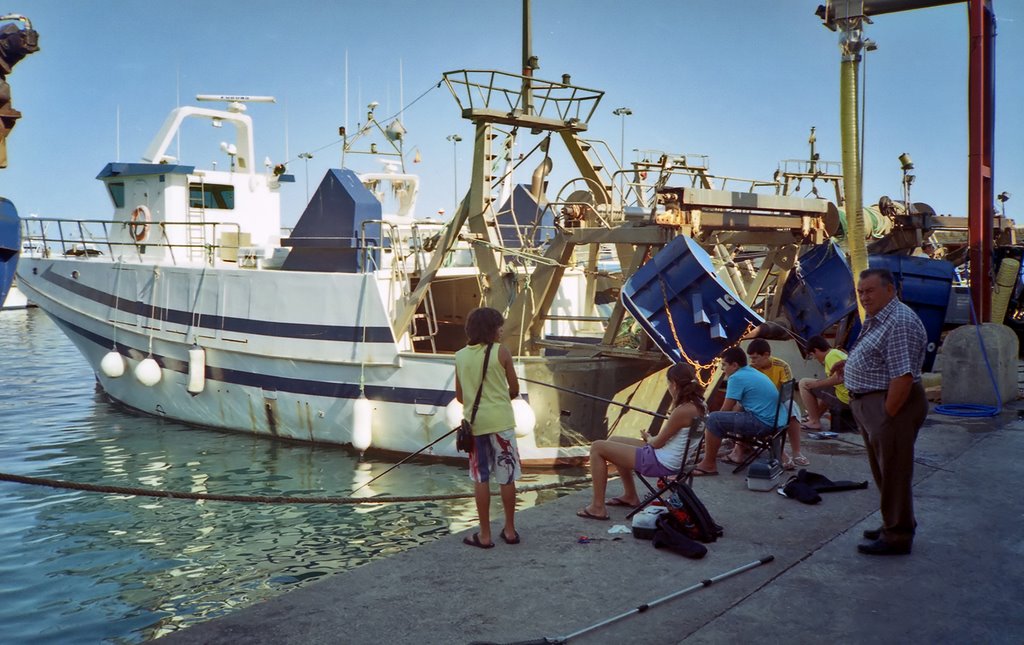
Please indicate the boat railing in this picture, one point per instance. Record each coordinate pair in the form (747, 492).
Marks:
(809, 167)
(610, 174)
(92, 238)
(502, 92)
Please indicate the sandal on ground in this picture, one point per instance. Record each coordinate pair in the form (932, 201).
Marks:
(800, 460)
(618, 501)
(514, 540)
(729, 460)
(787, 464)
(583, 512)
(475, 541)
(700, 472)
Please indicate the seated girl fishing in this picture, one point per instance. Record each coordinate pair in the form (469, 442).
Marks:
(658, 456)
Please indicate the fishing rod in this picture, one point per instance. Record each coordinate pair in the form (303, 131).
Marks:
(656, 415)
(547, 640)
(447, 434)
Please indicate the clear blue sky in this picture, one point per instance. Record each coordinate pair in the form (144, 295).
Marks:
(741, 81)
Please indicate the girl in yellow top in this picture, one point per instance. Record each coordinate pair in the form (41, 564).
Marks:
(495, 455)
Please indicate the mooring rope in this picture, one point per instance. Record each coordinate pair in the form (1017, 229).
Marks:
(262, 499)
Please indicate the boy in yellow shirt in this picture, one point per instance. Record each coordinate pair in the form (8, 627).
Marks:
(778, 370)
(821, 395)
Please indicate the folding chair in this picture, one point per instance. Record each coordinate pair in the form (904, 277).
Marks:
(666, 484)
(775, 440)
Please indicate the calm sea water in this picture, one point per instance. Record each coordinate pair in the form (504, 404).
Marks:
(83, 567)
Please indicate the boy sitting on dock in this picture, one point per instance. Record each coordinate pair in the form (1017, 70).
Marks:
(821, 395)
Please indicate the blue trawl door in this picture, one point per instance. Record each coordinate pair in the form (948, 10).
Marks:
(924, 285)
(684, 306)
(10, 245)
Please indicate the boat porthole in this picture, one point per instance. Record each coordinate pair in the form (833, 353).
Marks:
(74, 274)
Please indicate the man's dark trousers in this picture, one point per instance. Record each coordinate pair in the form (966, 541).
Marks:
(890, 445)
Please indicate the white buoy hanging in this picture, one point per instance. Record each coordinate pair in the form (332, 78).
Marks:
(112, 364)
(525, 418)
(362, 423)
(196, 369)
(148, 372)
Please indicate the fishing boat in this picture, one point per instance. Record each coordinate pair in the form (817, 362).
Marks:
(190, 304)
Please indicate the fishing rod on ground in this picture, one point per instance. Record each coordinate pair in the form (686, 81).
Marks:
(656, 415)
(447, 434)
(547, 640)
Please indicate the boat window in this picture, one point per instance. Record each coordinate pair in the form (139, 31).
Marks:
(211, 196)
(116, 190)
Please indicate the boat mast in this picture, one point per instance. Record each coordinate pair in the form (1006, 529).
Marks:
(530, 62)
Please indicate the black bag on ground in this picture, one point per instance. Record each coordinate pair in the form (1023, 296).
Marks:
(668, 535)
(691, 514)
(805, 486)
(822, 484)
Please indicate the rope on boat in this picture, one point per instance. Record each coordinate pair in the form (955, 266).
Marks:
(263, 499)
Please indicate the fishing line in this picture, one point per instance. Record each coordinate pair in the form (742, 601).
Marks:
(656, 415)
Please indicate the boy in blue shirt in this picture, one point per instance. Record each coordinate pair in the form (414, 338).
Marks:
(749, 409)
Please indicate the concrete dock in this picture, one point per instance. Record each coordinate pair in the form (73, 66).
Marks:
(964, 582)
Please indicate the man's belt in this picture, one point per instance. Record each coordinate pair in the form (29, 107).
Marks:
(861, 395)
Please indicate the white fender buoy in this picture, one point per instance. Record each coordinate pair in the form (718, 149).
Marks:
(362, 423)
(453, 414)
(526, 420)
(112, 364)
(148, 372)
(196, 369)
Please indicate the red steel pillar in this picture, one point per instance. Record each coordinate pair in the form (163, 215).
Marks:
(981, 110)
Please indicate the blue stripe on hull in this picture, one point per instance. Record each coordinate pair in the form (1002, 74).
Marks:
(344, 333)
(305, 387)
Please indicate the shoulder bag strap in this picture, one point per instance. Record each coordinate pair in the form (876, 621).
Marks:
(480, 390)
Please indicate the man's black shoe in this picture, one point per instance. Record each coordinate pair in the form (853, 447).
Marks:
(881, 547)
(872, 534)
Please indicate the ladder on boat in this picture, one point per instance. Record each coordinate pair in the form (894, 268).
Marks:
(195, 224)
(425, 321)
(423, 326)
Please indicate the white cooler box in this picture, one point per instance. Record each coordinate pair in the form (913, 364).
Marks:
(644, 522)
(764, 475)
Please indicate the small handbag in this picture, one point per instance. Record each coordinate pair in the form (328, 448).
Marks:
(464, 432)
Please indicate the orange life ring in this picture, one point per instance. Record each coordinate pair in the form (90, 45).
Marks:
(139, 226)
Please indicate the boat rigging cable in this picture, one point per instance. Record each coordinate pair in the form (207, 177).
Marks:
(396, 114)
(264, 499)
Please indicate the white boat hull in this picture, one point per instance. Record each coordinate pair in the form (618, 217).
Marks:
(287, 354)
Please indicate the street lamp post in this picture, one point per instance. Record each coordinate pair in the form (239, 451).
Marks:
(306, 156)
(622, 112)
(454, 138)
